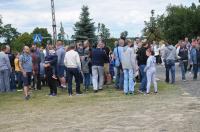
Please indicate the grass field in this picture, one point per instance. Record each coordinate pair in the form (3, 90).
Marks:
(108, 110)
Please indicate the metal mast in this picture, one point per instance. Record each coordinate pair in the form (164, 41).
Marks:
(53, 22)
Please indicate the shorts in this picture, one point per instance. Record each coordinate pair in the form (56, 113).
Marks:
(27, 79)
(60, 71)
(106, 68)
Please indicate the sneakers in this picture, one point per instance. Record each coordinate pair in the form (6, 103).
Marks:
(95, 91)
(146, 93)
(141, 92)
(54, 77)
(27, 97)
(52, 95)
(63, 86)
(130, 93)
(79, 93)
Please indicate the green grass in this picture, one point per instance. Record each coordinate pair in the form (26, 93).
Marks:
(89, 112)
(14, 100)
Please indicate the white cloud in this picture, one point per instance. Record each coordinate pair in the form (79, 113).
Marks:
(118, 15)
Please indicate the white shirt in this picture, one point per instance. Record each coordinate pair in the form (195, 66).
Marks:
(156, 50)
(72, 59)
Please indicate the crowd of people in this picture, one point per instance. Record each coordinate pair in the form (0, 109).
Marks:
(57, 65)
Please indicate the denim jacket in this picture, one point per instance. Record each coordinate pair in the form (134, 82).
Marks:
(193, 55)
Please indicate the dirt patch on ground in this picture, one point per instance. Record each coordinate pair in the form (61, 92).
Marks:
(109, 111)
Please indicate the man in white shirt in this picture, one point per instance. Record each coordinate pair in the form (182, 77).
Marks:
(73, 64)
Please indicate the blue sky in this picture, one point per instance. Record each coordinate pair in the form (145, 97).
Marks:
(117, 15)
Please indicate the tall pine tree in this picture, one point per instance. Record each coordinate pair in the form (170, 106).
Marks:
(84, 29)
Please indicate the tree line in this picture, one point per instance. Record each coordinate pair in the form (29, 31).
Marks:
(176, 23)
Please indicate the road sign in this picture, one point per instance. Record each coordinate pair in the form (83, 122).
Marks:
(37, 38)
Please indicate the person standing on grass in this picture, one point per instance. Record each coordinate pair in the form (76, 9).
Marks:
(73, 64)
(11, 57)
(142, 61)
(194, 59)
(18, 71)
(183, 54)
(170, 56)
(87, 53)
(60, 52)
(98, 59)
(41, 78)
(50, 64)
(156, 49)
(150, 70)
(111, 66)
(5, 70)
(107, 76)
(119, 76)
(162, 48)
(35, 54)
(26, 67)
(86, 72)
(189, 46)
(129, 68)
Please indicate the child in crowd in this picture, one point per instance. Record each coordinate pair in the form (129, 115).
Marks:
(18, 71)
(86, 71)
(111, 65)
(150, 70)
(51, 58)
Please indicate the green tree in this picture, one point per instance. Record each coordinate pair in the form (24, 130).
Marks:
(84, 29)
(1, 27)
(111, 43)
(104, 32)
(152, 30)
(124, 35)
(178, 22)
(8, 33)
(45, 34)
(21, 41)
(1, 20)
(61, 35)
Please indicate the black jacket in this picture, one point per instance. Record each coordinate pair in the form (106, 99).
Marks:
(98, 57)
(141, 56)
(183, 53)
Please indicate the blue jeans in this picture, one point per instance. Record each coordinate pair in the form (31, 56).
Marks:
(86, 80)
(119, 78)
(183, 66)
(73, 72)
(170, 66)
(143, 78)
(128, 81)
(19, 79)
(4, 81)
(12, 81)
(195, 70)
